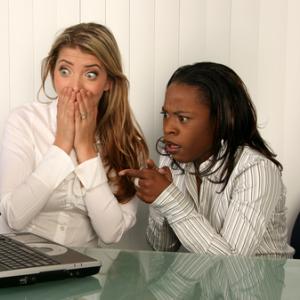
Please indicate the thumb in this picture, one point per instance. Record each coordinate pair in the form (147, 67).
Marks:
(150, 164)
(166, 172)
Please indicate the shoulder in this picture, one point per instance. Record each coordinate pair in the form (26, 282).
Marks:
(27, 112)
(250, 159)
(257, 175)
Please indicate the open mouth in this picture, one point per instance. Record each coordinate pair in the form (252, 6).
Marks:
(171, 148)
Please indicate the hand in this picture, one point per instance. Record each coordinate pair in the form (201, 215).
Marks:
(65, 128)
(85, 125)
(151, 181)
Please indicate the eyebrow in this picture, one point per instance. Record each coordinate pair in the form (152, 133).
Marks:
(177, 112)
(86, 66)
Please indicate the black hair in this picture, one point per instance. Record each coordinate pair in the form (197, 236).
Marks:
(232, 111)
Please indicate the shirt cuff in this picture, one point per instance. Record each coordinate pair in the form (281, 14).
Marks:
(54, 168)
(172, 204)
(91, 173)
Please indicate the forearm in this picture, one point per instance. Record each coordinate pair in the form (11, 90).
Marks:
(20, 206)
(159, 234)
(192, 229)
(109, 218)
(21, 202)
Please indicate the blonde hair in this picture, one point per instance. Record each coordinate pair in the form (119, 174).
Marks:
(122, 142)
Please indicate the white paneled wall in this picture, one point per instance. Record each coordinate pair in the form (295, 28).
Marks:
(260, 39)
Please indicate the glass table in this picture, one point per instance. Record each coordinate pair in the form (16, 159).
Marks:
(162, 275)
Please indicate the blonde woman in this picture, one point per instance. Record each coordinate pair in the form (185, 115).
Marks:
(60, 160)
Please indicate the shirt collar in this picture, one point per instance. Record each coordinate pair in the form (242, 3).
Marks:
(190, 167)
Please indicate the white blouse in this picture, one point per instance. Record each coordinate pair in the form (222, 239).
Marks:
(43, 190)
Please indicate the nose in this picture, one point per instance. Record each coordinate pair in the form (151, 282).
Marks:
(76, 83)
(169, 126)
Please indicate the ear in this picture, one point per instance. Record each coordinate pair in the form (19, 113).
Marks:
(108, 85)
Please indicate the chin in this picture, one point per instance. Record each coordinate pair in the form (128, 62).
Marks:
(181, 159)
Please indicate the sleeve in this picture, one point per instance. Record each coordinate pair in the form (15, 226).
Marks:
(253, 200)
(24, 186)
(110, 219)
(160, 234)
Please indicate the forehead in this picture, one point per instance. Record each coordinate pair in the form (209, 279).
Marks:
(183, 97)
(77, 55)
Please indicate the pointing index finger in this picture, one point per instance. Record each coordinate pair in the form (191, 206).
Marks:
(131, 173)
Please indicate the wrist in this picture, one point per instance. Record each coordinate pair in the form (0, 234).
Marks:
(85, 153)
(64, 146)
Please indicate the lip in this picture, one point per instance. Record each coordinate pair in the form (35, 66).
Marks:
(171, 148)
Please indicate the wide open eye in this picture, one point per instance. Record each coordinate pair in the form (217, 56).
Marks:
(91, 75)
(64, 72)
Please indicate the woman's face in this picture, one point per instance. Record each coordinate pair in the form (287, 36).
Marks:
(188, 128)
(79, 70)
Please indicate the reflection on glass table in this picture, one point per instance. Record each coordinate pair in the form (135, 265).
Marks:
(148, 275)
(75, 288)
(191, 276)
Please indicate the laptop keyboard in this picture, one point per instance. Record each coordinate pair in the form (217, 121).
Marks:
(14, 255)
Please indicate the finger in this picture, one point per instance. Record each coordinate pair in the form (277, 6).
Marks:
(166, 172)
(84, 98)
(89, 103)
(61, 99)
(77, 113)
(131, 173)
(150, 164)
(65, 101)
(69, 104)
(82, 108)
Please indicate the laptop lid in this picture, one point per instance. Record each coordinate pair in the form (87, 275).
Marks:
(63, 261)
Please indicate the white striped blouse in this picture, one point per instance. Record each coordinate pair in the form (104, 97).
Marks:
(248, 217)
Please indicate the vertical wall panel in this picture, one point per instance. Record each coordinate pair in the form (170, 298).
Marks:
(271, 71)
(68, 12)
(192, 31)
(166, 52)
(93, 11)
(291, 113)
(244, 42)
(142, 65)
(117, 19)
(45, 31)
(218, 30)
(141, 58)
(21, 52)
(4, 63)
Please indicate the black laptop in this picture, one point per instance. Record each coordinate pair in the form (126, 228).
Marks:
(26, 258)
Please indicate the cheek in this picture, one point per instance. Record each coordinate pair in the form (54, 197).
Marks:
(200, 138)
(96, 94)
(98, 89)
(58, 84)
